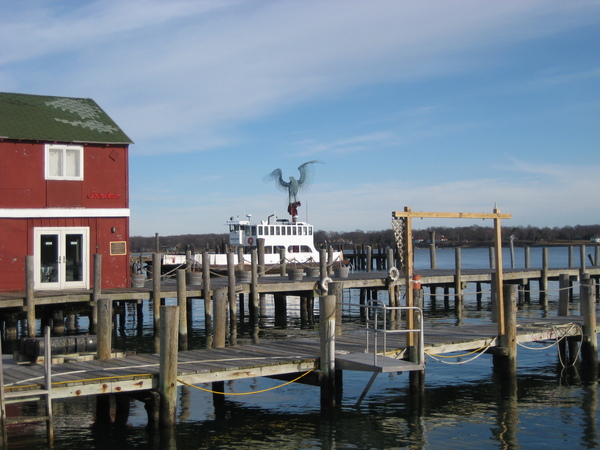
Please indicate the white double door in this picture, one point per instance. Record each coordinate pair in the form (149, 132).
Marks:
(61, 257)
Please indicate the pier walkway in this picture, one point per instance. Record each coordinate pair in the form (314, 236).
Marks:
(278, 357)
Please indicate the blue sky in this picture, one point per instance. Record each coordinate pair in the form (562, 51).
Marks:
(437, 105)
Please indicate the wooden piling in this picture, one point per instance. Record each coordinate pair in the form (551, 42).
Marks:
(589, 343)
(231, 287)
(29, 295)
(220, 317)
(432, 255)
(323, 263)
(96, 293)
(254, 295)
(206, 293)
(105, 328)
(336, 289)
(327, 330)
(563, 294)
(458, 295)
(182, 303)
(505, 363)
(167, 381)
(369, 257)
(544, 279)
(156, 290)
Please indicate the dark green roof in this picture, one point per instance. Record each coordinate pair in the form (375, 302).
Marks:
(57, 119)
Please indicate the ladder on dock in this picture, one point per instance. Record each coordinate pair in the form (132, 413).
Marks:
(375, 358)
(29, 395)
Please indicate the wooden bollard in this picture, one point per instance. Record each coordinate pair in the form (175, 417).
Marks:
(589, 342)
(167, 379)
(182, 303)
(369, 261)
(29, 295)
(105, 328)
(220, 317)
(327, 313)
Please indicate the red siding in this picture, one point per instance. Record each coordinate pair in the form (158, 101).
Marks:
(23, 185)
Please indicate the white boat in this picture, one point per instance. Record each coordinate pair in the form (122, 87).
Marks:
(296, 238)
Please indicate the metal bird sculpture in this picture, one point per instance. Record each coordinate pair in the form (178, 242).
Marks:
(294, 185)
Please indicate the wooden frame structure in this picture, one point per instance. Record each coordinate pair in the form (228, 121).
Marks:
(408, 215)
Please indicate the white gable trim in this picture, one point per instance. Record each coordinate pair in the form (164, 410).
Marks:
(41, 213)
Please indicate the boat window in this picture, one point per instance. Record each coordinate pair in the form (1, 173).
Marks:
(260, 230)
(268, 249)
(253, 230)
(247, 230)
(277, 231)
(310, 231)
(305, 249)
(233, 227)
(289, 231)
(293, 249)
(295, 230)
(278, 248)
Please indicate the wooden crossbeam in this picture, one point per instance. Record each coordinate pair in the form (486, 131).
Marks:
(449, 215)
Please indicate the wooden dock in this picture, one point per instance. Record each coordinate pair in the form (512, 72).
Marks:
(140, 372)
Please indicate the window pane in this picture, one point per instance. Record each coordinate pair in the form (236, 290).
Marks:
(55, 162)
(72, 163)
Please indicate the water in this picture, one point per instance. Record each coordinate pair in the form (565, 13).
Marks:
(464, 406)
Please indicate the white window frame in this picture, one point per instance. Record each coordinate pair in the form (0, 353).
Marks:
(63, 148)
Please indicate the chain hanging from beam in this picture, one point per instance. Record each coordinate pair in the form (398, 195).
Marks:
(399, 227)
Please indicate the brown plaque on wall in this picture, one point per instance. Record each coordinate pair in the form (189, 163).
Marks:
(118, 248)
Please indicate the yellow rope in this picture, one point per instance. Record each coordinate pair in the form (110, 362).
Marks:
(458, 356)
(246, 393)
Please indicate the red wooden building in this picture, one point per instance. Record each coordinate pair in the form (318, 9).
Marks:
(64, 193)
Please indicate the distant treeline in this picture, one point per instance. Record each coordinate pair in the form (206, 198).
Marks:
(452, 236)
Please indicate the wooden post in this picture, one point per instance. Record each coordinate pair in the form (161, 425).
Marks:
(527, 257)
(417, 377)
(458, 295)
(182, 303)
(544, 278)
(29, 295)
(323, 263)
(220, 316)
(282, 262)
(105, 328)
(156, 290)
(336, 289)
(253, 301)
(589, 343)
(167, 381)
(492, 254)
(582, 253)
(327, 311)
(506, 363)
(206, 293)
(330, 260)
(156, 244)
(499, 273)
(563, 309)
(432, 255)
(563, 294)
(261, 256)
(369, 258)
(97, 291)
(390, 258)
(231, 298)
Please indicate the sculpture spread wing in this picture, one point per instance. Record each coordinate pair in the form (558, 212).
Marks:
(277, 175)
(305, 172)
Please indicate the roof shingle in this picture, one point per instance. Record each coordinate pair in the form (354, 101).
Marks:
(57, 119)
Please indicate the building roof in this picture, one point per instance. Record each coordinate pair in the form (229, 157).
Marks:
(57, 119)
